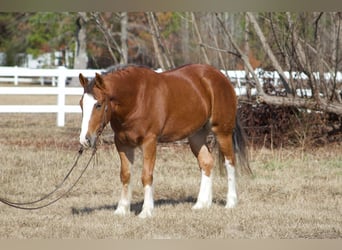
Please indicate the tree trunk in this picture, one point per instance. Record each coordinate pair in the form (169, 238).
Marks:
(107, 34)
(213, 31)
(243, 56)
(124, 48)
(185, 38)
(337, 44)
(81, 58)
(161, 42)
(199, 39)
(303, 61)
(305, 103)
(246, 44)
(268, 51)
(156, 47)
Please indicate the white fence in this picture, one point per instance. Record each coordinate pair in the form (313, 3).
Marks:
(10, 74)
(59, 76)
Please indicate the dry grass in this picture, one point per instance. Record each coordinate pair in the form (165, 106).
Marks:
(294, 194)
(36, 100)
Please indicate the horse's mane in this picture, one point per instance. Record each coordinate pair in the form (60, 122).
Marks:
(113, 69)
(120, 67)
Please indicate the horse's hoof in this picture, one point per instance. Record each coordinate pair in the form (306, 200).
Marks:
(145, 213)
(121, 211)
(201, 205)
(231, 203)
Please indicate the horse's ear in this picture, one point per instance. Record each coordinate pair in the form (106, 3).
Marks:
(99, 81)
(83, 81)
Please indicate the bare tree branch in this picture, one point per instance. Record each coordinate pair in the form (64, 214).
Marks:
(107, 33)
(303, 60)
(161, 42)
(155, 40)
(220, 50)
(162, 52)
(242, 56)
(199, 38)
(268, 50)
(307, 103)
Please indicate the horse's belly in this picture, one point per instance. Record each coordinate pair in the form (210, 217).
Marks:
(182, 126)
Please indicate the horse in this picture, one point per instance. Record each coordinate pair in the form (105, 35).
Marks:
(144, 107)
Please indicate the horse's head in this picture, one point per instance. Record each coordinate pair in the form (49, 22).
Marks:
(95, 110)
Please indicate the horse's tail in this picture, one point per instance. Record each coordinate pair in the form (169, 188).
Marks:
(241, 147)
(240, 150)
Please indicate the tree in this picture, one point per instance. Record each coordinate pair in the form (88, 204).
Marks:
(160, 55)
(124, 38)
(81, 57)
(13, 28)
(162, 52)
(305, 51)
(199, 38)
(35, 33)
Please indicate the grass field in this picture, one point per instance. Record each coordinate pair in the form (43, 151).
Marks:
(295, 193)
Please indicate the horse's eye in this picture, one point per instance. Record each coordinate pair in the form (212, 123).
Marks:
(98, 105)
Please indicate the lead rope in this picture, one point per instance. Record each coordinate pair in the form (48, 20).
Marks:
(22, 205)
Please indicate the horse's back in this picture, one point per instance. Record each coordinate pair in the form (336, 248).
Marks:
(204, 76)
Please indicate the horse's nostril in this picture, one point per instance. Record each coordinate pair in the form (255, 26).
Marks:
(92, 141)
(88, 140)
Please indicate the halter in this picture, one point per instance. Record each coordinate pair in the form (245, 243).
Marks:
(104, 118)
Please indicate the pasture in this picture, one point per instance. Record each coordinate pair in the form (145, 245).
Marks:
(295, 193)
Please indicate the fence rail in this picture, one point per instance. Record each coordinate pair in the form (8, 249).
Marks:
(61, 90)
(59, 77)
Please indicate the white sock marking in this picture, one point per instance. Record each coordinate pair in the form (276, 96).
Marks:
(88, 104)
(205, 194)
(148, 202)
(231, 195)
(125, 201)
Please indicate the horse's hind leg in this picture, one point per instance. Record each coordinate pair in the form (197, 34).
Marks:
(226, 146)
(206, 162)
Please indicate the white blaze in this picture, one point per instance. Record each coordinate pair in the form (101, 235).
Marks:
(88, 104)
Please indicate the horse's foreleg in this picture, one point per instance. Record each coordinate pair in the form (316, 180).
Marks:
(149, 148)
(127, 158)
(206, 162)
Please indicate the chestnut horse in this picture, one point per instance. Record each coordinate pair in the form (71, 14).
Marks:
(144, 107)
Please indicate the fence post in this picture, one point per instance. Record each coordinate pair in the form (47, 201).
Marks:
(61, 97)
(16, 82)
(54, 81)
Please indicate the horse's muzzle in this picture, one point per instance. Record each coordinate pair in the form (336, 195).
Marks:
(89, 142)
